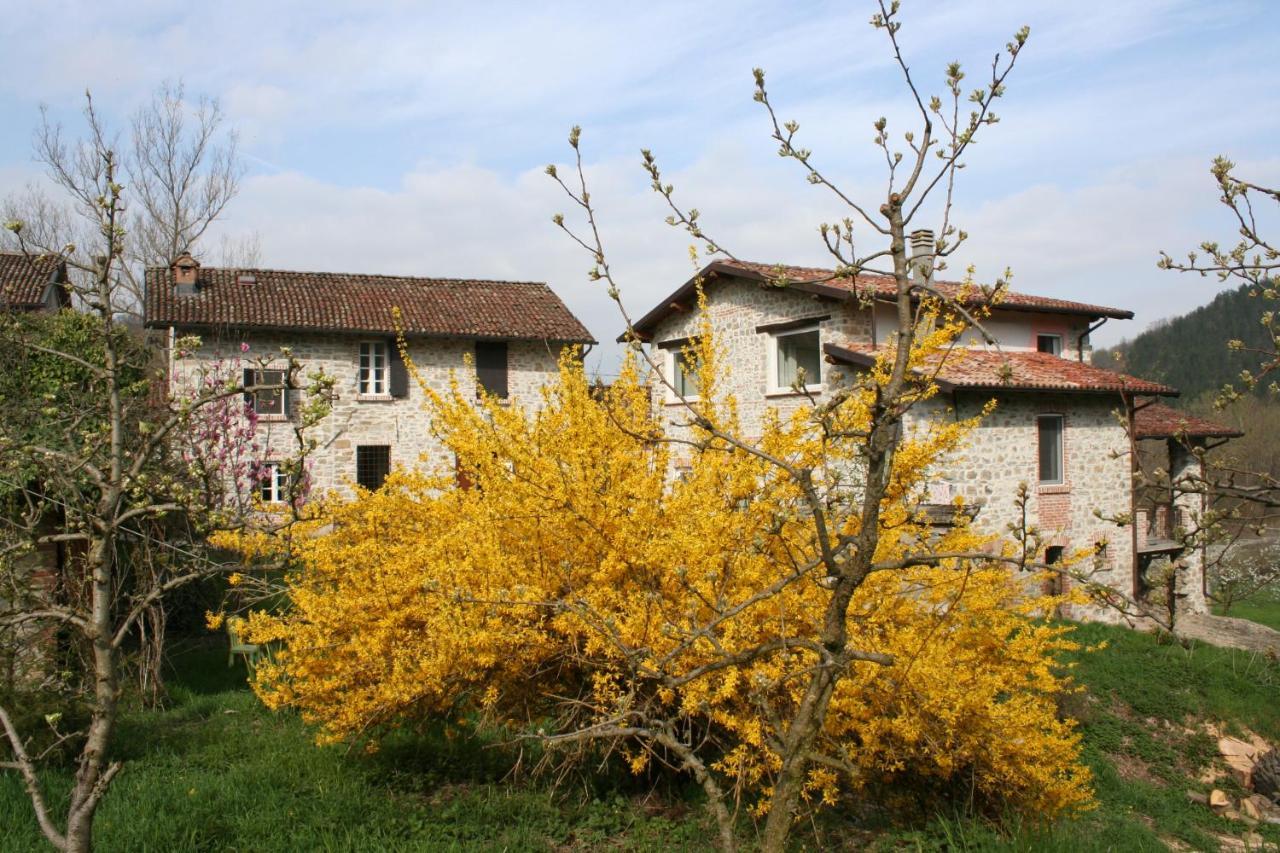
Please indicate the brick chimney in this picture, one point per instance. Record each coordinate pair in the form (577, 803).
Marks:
(184, 274)
(922, 247)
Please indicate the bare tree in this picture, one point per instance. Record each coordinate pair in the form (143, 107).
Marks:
(183, 170)
(182, 167)
(109, 463)
(243, 252)
(1254, 260)
(922, 168)
(1240, 491)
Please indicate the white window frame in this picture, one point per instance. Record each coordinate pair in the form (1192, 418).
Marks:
(1062, 448)
(674, 376)
(775, 339)
(1057, 350)
(373, 370)
(260, 378)
(274, 486)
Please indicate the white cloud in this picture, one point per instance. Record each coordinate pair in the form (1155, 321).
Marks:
(401, 138)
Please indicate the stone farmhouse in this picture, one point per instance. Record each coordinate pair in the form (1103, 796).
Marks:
(343, 324)
(1064, 427)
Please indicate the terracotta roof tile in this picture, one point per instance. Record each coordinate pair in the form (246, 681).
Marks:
(24, 280)
(888, 286)
(822, 282)
(1160, 421)
(342, 302)
(1018, 371)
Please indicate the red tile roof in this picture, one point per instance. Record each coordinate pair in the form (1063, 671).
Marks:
(24, 280)
(342, 302)
(1157, 420)
(1017, 371)
(824, 283)
(887, 286)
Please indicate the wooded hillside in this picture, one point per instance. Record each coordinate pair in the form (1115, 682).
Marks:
(1190, 352)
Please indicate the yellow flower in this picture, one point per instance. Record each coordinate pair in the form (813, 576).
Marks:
(213, 621)
(575, 560)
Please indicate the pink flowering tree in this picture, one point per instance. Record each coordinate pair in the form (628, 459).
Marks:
(223, 449)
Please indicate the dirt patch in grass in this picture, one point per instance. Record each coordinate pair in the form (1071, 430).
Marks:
(1133, 769)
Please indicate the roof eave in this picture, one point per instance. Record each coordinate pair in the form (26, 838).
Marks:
(861, 359)
(1043, 389)
(160, 323)
(1164, 434)
(643, 328)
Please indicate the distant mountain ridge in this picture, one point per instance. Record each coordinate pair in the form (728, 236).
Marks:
(1190, 352)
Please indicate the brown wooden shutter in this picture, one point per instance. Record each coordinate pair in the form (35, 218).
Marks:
(491, 367)
(398, 383)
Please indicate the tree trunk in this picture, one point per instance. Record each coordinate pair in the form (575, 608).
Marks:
(881, 443)
(91, 780)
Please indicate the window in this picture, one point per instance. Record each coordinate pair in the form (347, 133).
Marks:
(491, 368)
(1051, 344)
(373, 464)
(274, 484)
(1049, 428)
(795, 352)
(1053, 584)
(374, 369)
(274, 401)
(684, 373)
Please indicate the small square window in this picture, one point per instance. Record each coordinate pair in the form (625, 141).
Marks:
(1052, 344)
(274, 485)
(684, 373)
(374, 369)
(373, 464)
(269, 401)
(1050, 429)
(798, 352)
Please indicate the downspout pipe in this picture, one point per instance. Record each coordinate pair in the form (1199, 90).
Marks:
(1080, 339)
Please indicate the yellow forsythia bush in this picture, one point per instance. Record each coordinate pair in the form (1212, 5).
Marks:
(578, 582)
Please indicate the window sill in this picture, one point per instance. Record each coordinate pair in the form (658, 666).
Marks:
(1053, 488)
(791, 392)
(374, 398)
(676, 401)
(271, 419)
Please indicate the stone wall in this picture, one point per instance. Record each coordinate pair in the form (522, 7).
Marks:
(1189, 509)
(402, 423)
(736, 308)
(1001, 454)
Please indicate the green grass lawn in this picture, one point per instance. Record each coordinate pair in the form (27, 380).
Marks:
(216, 771)
(219, 772)
(1265, 609)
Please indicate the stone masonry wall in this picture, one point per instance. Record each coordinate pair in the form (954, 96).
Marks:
(736, 309)
(402, 423)
(1189, 506)
(1001, 453)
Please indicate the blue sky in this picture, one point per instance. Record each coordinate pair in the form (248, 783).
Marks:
(410, 137)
